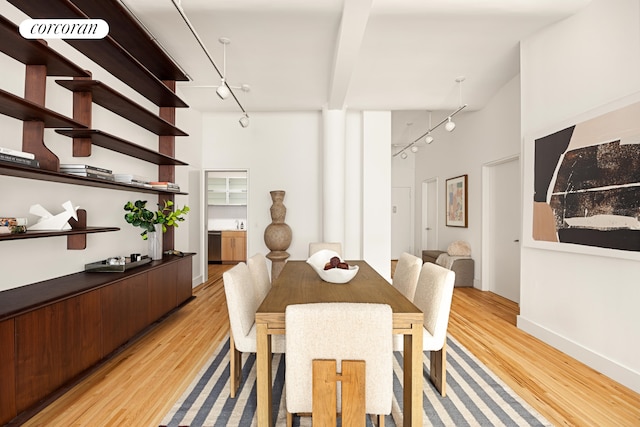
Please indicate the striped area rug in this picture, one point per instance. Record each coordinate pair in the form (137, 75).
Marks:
(475, 396)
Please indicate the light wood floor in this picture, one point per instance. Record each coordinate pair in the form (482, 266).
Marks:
(139, 385)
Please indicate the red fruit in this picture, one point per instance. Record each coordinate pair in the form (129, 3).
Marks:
(328, 266)
(334, 261)
(343, 265)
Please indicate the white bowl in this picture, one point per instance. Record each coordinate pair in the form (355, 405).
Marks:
(334, 275)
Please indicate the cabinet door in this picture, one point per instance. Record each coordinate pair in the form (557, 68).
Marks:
(54, 344)
(240, 248)
(183, 285)
(7, 372)
(226, 246)
(234, 246)
(124, 311)
(162, 290)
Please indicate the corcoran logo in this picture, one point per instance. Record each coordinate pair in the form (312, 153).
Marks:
(64, 28)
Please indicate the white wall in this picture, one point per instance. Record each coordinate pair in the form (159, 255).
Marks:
(31, 260)
(480, 137)
(585, 305)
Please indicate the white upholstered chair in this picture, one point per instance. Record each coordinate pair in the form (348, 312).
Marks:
(259, 275)
(341, 332)
(405, 277)
(242, 303)
(433, 296)
(333, 246)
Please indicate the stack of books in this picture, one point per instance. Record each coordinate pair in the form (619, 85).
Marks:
(128, 178)
(18, 157)
(87, 171)
(13, 225)
(165, 185)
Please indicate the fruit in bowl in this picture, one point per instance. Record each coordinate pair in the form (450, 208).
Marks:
(331, 268)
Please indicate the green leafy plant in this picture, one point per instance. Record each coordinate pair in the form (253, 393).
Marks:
(139, 216)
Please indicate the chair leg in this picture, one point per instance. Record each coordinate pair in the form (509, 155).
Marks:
(438, 371)
(235, 367)
(324, 393)
(380, 419)
(353, 393)
(289, 419)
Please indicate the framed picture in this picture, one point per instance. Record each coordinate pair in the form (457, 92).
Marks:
(456, 191)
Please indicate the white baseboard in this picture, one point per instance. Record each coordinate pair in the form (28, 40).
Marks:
(600, 363)
(196, 281)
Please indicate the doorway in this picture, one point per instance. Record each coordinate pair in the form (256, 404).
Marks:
(401, 224)
(429, 224)
(502, 227)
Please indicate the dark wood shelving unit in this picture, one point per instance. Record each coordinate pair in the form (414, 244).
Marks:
(128, 35)
(106, 52)
(36, 234)
(22, 109)
(9, 169)
(114, 143)
(35, 52)
(114, 101)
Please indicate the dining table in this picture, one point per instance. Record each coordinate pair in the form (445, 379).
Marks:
(298, 283)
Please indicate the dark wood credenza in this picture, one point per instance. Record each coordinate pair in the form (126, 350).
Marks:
(53, 332)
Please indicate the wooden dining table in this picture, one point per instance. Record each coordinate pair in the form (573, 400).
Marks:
(298, 283)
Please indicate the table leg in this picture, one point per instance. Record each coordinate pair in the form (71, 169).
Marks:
(263, 360)
(413, 380)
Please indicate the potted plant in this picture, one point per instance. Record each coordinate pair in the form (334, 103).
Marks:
(154, 223)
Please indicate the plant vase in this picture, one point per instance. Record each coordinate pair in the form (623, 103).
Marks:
(155, 242)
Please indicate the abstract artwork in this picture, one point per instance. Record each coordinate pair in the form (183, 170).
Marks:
(587, 182)
(456, 192)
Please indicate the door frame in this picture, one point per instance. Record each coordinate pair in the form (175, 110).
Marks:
(424, 211)
(487, 188)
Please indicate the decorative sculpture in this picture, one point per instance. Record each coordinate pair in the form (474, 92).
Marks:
(58, 222)
(277, 235)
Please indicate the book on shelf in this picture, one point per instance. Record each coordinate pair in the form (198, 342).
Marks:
(13, 225)
(11, 220)
(165, 185)
(13, 229)
(17, 153)
(84, 168)
(127, 178)
(89, 174)
(19, 160)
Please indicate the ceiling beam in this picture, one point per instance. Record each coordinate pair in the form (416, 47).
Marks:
(355, 15)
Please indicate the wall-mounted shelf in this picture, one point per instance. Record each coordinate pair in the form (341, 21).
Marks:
(37, 234)
(114, 143)
(46, 175)
(112, 100)
(123, 28)
(35, 52)
(106, 52)
(21, 109)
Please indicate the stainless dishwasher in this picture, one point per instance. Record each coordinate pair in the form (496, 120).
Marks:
(215, 246)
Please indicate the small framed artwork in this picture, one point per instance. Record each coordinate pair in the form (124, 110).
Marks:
(456, 191)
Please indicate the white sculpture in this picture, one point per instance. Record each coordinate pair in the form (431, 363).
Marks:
(49, 221)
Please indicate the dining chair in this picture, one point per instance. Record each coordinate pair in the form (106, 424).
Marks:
(433, 296)
(405, 277)
(340, 332)
(333, 246)
(242, 303)
(259, 275)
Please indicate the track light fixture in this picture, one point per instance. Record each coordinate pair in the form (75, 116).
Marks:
(224, 90)
(244, 121)
(449, 125)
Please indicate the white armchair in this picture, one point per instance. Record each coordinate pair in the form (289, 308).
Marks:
(405, 277)
(333, 246)
(259, 276)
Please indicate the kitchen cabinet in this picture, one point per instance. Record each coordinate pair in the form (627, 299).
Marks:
(228, 190)
(234, 246)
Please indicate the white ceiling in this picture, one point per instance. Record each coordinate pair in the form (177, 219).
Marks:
(359, 54)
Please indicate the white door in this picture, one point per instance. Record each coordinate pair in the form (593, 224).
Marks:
(430, 214)
(503, 230)
(401, 228)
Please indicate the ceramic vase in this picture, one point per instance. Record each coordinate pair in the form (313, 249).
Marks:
(155, 242)
(277, 235)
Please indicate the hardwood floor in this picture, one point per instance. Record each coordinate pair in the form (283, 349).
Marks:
(139, 385)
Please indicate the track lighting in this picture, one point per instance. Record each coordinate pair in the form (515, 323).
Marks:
(223, 91)
(244, 121)
(450, 125)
